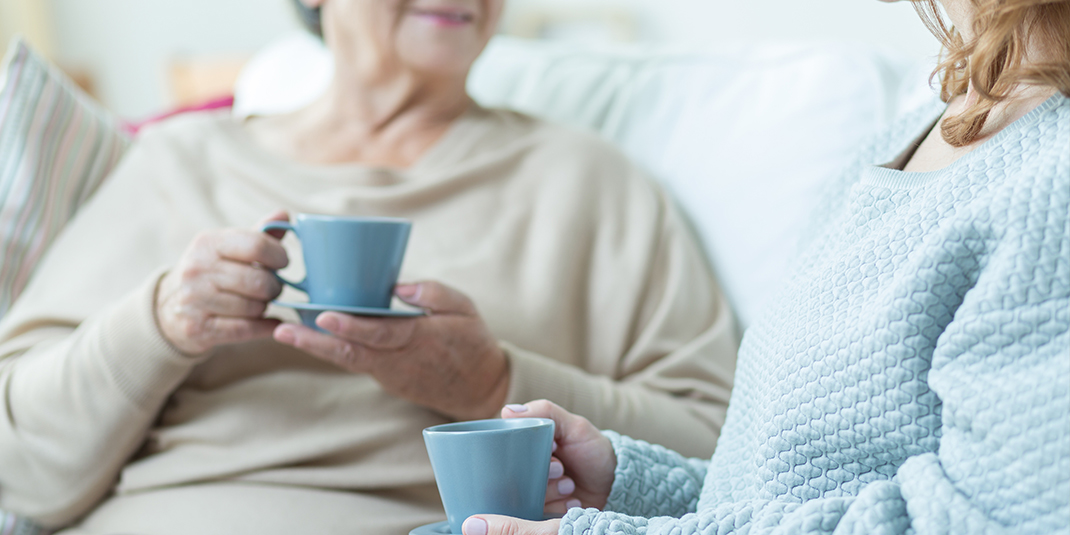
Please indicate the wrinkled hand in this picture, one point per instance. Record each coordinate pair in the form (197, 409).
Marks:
(504, 525)
(218, 292)
(583, 465)
(446, 361)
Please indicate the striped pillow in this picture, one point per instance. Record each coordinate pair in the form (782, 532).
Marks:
(56, 146)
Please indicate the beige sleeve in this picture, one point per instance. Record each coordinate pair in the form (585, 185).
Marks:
(77, 405)
(663, 370)
(83, 367)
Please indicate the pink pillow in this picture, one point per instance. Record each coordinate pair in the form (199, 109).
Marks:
(214, 104)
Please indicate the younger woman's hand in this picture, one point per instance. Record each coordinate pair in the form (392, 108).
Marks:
(582, 468)
(504, 525)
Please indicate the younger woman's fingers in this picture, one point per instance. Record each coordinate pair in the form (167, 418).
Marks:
(556, 469)
(560, 507)
(559, 489)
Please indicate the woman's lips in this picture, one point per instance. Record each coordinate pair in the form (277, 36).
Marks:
(444, 17)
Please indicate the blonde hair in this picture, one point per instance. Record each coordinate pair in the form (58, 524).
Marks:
(994, 60)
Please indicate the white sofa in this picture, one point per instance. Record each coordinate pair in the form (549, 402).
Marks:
(744, 137)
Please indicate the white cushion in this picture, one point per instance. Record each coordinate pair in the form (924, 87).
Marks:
(56, 146)
(743, 137)
(285, 76)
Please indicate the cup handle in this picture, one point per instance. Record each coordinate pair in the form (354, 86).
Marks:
(284, 225)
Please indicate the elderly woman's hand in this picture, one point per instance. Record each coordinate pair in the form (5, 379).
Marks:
(447, 361)
(218, 292)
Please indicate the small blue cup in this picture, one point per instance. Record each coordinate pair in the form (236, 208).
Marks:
(497, 467)
(349, 261)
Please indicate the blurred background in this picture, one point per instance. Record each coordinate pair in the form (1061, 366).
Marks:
(142, 57)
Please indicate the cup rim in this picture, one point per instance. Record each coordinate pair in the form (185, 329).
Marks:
(458, 428)
(354, 219)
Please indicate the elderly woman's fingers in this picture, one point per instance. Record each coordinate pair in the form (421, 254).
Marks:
(247, 246)
(245, 280)
(217, 292)
(341, 353)
(449, 362)
(278, 215)
(224, 304)
(436, 297)
(504, 525)
(376, 333)
(223, 330)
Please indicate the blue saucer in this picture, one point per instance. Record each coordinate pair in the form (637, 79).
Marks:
(438, 528)
(309, 311)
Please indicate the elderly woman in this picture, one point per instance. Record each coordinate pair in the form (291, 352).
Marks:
(914, 376)
(147, 386)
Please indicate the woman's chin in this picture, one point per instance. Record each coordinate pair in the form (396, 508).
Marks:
(438, 64)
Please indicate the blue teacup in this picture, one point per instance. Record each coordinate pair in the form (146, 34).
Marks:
(349, 261)
(497, 467)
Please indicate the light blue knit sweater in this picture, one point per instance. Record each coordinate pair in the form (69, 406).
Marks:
(914, 377)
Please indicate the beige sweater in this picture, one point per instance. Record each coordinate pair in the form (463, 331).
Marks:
(578, 263)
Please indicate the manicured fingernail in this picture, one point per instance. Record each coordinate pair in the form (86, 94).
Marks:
(566, 486)
(327, 322)
(517, 408)
(474, 526)
(285, 335)
(407, 291)
(556, 470)
(572, 504)
(554, 447)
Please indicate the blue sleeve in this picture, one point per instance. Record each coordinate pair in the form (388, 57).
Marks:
(651, 480)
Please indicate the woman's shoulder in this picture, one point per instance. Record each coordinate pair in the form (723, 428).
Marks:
(188, 130)
(542, 136)
(1046, 132)
(553, 157)
(1030, 169)
(1028, 163)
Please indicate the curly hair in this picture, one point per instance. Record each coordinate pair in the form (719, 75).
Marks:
(310, 18)
(994, 59)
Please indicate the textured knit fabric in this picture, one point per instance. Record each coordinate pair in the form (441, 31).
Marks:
(914, 377)
(578, 263)
(56, 146)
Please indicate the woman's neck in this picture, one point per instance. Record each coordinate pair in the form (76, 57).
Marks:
(382, 117)
(934, 152)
